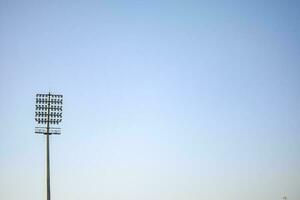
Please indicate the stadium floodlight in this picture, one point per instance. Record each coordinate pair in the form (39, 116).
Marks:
(48, 115)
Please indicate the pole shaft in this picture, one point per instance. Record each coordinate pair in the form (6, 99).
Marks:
(48, 168)
(48, 153)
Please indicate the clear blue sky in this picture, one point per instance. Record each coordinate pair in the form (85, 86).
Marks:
(164, 100)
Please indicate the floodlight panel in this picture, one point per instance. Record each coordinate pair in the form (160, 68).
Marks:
(51, 103)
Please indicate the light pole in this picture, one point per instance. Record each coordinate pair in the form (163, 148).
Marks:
(48, 114)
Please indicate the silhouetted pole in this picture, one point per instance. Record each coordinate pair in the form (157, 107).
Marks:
(48, 156)
(48, 169)
(48, 112)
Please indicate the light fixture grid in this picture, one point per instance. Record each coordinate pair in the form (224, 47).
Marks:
(48, 109)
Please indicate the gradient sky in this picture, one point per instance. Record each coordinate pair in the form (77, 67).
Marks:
(163, 100)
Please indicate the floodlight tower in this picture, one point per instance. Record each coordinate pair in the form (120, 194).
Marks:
(48, 114)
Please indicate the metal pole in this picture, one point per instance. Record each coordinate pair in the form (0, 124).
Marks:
(48, 112)
(48, 156)
(48, 169)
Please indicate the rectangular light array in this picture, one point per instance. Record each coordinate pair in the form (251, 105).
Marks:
(48, 105)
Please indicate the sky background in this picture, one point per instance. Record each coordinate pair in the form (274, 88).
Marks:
(164, 100)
